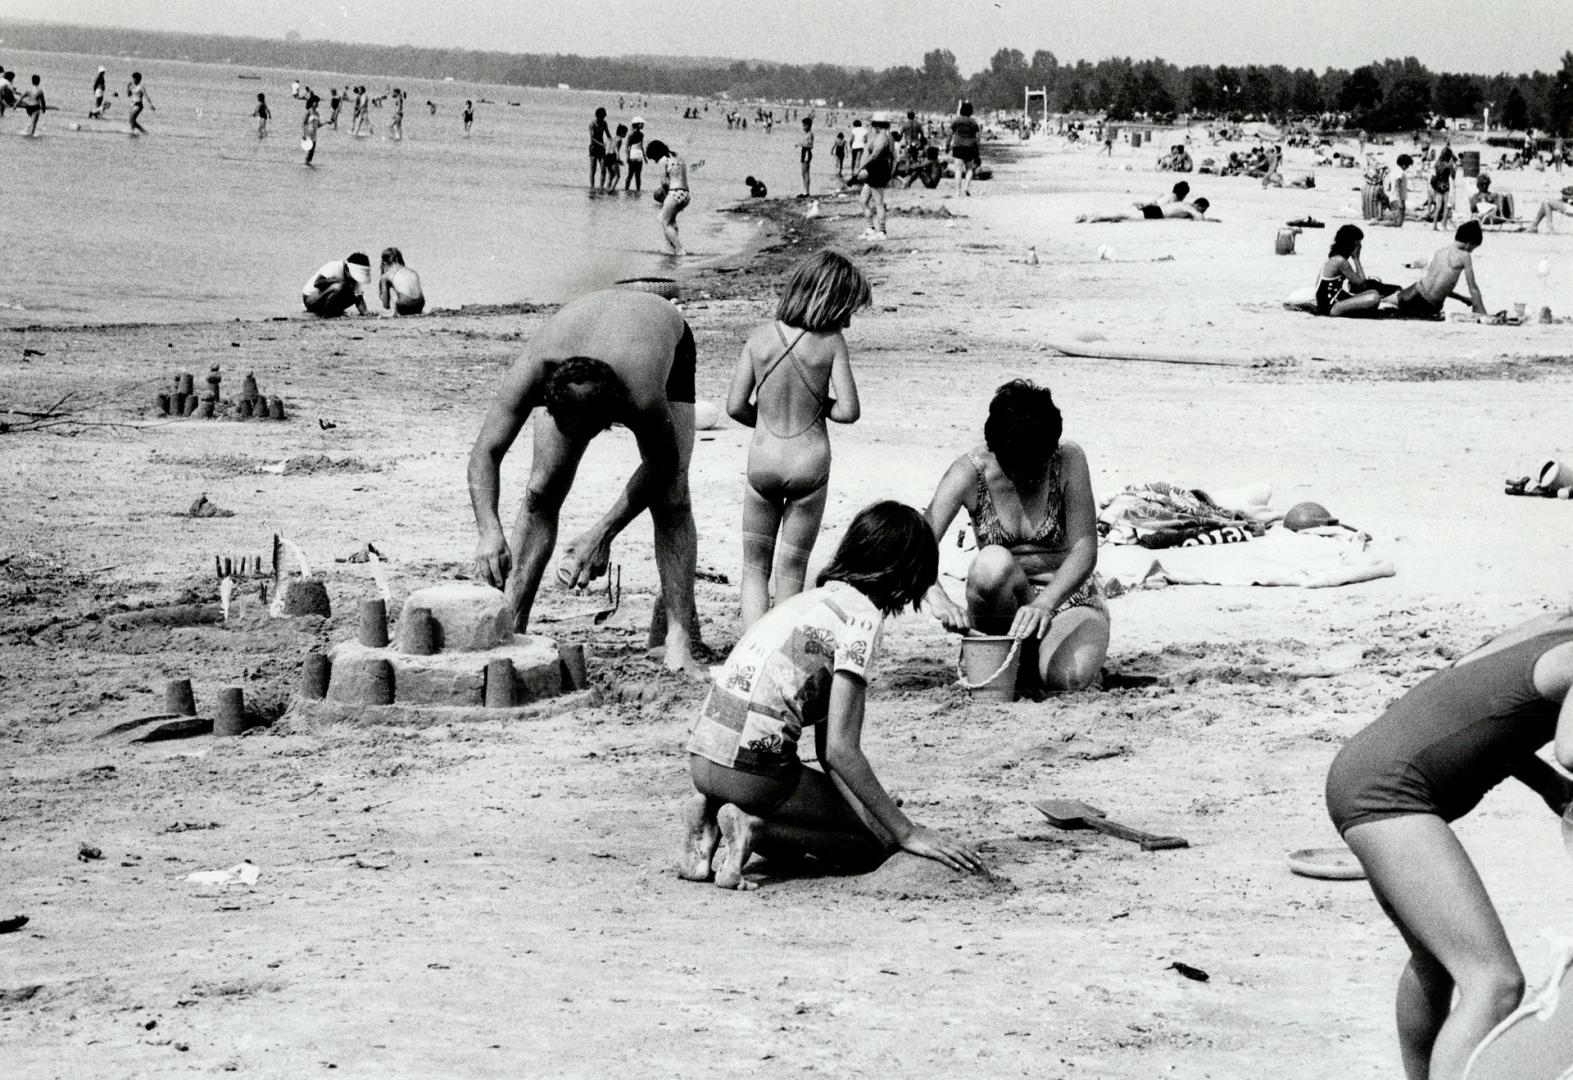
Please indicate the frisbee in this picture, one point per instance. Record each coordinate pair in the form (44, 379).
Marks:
(1329, 863)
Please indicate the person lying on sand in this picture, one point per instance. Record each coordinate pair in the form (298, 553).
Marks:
(1029, 496)
(807, 663)
(1177, 194)
(1425, 297)
(1343, 288)
(1393, 792)
(1194, 210)
(612, 357)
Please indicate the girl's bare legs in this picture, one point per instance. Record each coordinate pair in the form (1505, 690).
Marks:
(1358, 303)
(1426, 882)
(815, 820)
(761, 522)
(800, 521)
(669, 210)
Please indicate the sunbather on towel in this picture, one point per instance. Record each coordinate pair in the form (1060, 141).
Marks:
(1551, 207)
(1425, 297)
(1194, 210)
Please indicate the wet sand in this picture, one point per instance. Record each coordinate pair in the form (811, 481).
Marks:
(481, 898)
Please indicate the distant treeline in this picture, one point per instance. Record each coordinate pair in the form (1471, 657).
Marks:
(1392, 95)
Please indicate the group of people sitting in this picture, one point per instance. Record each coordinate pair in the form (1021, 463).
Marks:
(339, 286)
(1344, 288)
(1178, 159)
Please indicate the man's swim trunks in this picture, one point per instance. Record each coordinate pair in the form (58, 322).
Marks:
(685, 361)
(1152, 212)
(1414, 305)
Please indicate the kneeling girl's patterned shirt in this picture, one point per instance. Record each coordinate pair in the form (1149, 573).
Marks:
(777, 680)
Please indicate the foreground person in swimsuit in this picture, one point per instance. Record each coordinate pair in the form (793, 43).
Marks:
(805, 664)
(612, 357)
(782, 388)
(1427, 761)
(1036, 582)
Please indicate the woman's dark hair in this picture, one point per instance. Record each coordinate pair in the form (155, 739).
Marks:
(586, 390)
(1404, 161)
(888, 554)
(655, 150)
(1024, 427)
(966, 108)
(1345, 240)
(1181, 190)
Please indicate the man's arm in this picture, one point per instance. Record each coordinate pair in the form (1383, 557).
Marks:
(504, 419)
(589, 554)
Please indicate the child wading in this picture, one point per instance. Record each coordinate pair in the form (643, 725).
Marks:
(807, 663)
(782, 388)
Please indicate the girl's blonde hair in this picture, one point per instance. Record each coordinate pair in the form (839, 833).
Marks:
(823, 292)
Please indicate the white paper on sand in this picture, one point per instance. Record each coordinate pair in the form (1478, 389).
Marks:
(242, 873)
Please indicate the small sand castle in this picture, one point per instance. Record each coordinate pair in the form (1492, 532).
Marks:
(454, 645)
(182, 399)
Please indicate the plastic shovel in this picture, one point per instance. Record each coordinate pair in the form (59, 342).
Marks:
(1075, 814)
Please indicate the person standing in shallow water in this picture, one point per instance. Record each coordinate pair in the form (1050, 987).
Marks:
(673, 190)
(805, 152)
(139, 98)
(97, 111)
(600, 135)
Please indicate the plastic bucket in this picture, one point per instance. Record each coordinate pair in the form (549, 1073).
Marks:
(1469, 162)
(1285, 243)
(988, 666)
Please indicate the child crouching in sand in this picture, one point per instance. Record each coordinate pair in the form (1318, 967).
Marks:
(782, 389)
(807, 663)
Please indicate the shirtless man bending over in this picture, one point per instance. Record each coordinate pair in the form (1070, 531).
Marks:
(1425, 297)
(615, 356)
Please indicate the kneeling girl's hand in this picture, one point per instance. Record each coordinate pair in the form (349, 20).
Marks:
(933, 844)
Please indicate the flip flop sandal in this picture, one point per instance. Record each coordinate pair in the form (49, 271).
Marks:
(1327, 863)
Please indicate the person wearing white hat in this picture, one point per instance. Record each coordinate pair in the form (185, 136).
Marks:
(336, 288)
(633, 155)
(97, 111)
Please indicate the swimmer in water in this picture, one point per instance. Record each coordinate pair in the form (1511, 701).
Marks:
(338, 286)
(674, 185)
(32, 103)
(97, 110)
(399, 286)
(263, 116)
(139, 98)
(792, 375)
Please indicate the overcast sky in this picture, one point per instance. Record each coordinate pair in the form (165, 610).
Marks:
(1454, 35)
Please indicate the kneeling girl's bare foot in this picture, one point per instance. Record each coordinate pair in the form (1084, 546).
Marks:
(737, 844)
(701, 834)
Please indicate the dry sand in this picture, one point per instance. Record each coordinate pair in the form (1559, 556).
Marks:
(478, 899)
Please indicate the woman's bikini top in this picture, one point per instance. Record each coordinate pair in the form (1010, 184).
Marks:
(821, 401)
(986, 521)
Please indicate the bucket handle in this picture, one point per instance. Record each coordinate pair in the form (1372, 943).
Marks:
(1010, 657)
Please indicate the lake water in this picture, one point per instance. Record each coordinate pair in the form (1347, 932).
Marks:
(202, 220)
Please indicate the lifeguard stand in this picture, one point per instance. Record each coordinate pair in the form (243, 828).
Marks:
(1028, 93)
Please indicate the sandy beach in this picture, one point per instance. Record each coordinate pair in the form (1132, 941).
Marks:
(477, 898)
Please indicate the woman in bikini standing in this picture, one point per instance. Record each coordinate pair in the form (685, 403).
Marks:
(1029, 495)
(1393, 792)
(793, 373)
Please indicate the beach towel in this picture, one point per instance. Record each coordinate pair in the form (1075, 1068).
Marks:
(1163, 515)
(1310, 559)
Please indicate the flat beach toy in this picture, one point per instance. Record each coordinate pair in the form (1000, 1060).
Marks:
(1329, 863)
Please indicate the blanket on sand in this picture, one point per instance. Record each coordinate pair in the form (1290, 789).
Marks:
(1310, 559)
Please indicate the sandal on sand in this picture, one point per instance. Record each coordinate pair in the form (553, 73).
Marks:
(1307, 222)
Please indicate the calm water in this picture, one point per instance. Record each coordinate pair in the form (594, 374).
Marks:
(202, 220)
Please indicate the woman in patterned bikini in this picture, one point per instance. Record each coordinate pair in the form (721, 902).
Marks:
(1029, 495)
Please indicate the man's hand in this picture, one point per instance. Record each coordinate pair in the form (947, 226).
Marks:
(585, 559)
(493, 560)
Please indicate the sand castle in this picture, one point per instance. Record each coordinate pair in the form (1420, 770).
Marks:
(454, 645)
(182, 399)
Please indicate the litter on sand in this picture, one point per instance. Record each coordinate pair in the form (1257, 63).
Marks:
(242, 873)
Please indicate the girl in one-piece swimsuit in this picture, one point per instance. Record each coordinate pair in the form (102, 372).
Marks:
(792, 375)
